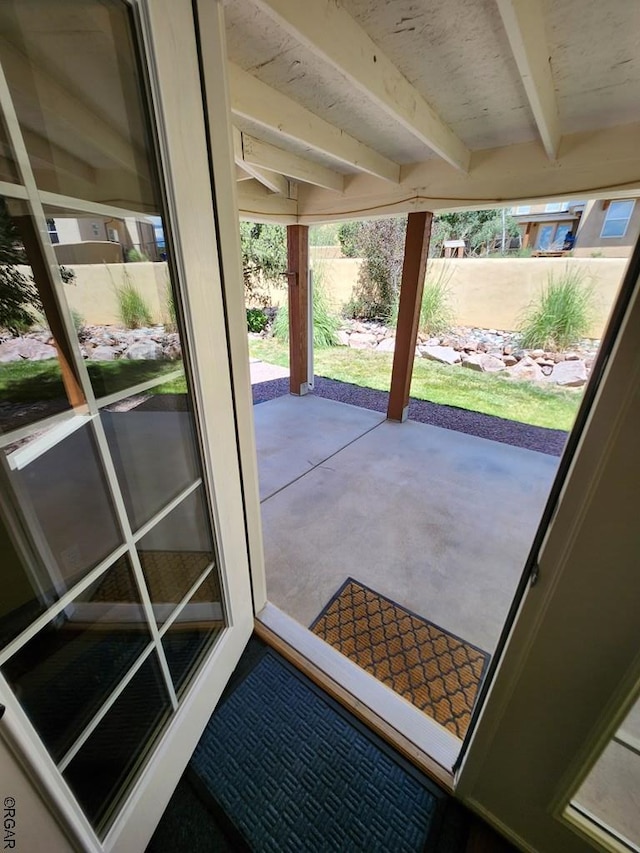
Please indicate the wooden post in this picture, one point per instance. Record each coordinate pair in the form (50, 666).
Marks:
(42, 277)
(414, 267)
(298, 272)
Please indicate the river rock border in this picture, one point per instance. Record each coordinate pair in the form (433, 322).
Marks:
(483, 350)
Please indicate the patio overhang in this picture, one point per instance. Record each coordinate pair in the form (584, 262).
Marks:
(377, 108)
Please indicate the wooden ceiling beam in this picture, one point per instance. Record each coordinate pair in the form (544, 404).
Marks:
(253, 100)
(523, 21)
(327, 29)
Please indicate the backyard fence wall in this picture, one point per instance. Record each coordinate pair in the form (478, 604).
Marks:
(492, 293)
(488, 293)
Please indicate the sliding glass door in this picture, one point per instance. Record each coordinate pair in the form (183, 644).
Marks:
(116, 458)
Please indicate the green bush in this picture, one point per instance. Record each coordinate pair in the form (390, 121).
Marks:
(257, 320)
(133, 308)
(561, 315)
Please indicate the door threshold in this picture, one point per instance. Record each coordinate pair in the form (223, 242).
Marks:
(417, 737)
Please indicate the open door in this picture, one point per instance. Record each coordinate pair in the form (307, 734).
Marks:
(124, 555)
(570, 674)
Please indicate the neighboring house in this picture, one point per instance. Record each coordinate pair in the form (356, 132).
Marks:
(95, 239)
(602, 227)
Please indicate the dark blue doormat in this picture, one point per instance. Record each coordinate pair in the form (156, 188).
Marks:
(294, 772)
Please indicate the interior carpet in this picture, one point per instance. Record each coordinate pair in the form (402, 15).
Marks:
(436, 671)
(293, 772)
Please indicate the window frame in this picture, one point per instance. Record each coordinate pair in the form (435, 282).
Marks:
(608, 218)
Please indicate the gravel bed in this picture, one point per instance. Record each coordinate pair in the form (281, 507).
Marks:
(549, 441)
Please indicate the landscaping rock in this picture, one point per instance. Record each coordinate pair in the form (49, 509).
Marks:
(473, 362)
(29, 349)
(343, 338)
(444, 355)
(144, 351)
(362, 340)
(102, 353)
(571, 356)
(527, 370)
(509, 360)
(491, 363)
(386, 345)
(571, 374)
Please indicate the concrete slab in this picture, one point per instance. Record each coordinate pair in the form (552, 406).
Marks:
(262, 371)
(437, 520)
(294, 434)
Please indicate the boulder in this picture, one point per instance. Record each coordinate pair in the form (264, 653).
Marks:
(362, 340)
(343, 338)
(102, 353)
(444, 355)
(491, 363)
(26, 349)
(144, 351)
(473, 362)
(386, 345)
(571, 374)
(528, 370)
(509, 360)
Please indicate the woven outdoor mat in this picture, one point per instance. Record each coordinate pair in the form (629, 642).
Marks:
(436, 671)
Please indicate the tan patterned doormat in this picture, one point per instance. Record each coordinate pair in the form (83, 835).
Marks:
(436, 671)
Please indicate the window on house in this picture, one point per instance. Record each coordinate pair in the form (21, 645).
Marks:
(523, 208)
(556, 206)
(617, 219)
(545, 236)
(53, 231)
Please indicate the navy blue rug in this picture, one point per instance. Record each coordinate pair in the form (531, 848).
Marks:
(294, 774)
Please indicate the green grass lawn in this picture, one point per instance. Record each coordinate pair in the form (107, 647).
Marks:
(33, 381)
(454, 386)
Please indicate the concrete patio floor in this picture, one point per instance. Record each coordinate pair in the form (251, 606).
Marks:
(437, 520)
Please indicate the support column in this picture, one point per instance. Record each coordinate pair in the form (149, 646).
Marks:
(414, 267)
(298, 273)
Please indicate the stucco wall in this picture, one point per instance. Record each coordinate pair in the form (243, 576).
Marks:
(92, 293)
(494, 292)
(589, 240)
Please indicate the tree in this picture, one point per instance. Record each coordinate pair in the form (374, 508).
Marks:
(18, 292)
(480, 229)
(380, 242)
(264, 259)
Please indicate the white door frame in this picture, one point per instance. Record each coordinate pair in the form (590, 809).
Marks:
(170, 42)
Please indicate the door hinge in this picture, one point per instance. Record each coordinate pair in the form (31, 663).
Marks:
(534, 575)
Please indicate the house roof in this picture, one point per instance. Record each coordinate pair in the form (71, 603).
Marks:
(417, 104)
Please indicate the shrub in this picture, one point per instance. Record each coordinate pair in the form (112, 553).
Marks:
(171, 324)
(257, 320)
(135, 256)
(133, 308)
(561, 315)
(436, 313)
(78, 320)
(325, 322)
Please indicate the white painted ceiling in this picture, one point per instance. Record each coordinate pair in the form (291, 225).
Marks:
(457, 56)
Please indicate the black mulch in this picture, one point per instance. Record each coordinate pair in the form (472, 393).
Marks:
(550, 441)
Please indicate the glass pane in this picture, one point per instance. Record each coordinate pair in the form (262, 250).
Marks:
(64, 674)
(121, 299)
(32, 386)
(154, 450)
(105, 765)
(544, 236)
(64, 499)
(611, 792)
(614, 228)
(23, 596)
(194, 630)
(175, 553)
(74, 79)
(8, 169)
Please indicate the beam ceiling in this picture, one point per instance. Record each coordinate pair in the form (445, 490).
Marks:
(524, 24)
(325, 28)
